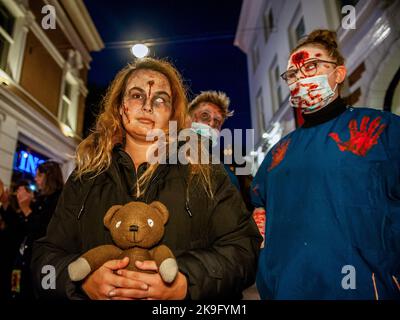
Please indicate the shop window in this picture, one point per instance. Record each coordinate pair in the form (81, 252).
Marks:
(255, 57)
(69, 106)
(356, 74)
(268, 23)
(260, 111)
(300, 30)
(276, 85)
(297, 27)
(7, 21)
(26, 161)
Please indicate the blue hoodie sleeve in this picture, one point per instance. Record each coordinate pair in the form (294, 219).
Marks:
(392, 222)
(258, 189)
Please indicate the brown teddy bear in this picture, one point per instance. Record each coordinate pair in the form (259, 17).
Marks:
(136, 228)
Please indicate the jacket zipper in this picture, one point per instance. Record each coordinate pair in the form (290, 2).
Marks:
(84, 198)
(375, 289)
(396, 282)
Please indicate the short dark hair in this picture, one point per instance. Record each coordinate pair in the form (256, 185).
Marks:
(53, 179)
(22, 183)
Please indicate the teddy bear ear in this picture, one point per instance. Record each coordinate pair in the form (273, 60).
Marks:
(110, 213)
(161, 209)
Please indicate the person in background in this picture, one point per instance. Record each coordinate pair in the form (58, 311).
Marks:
(7, 245)
(330, 190)
(11, 233)
(208, 112)
(27, 221)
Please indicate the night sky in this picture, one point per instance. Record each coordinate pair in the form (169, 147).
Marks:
(205, 65)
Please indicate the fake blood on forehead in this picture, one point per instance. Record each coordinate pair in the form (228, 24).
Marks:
(299, 58)
(150, 83)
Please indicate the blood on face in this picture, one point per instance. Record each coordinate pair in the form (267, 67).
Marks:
(295, 91)
(299, 58)
(150, 83)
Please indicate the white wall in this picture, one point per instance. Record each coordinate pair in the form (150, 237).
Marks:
(8, 141)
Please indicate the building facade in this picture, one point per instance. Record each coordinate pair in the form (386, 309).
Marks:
(269, 29)
(45, 50)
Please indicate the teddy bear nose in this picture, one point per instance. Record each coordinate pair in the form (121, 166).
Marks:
(133, 228)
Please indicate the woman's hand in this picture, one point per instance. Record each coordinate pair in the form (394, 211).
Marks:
(157, 288)
(1, 189)
(4, 195)
(103, 281)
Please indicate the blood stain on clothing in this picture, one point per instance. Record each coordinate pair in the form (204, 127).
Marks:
(278, 153)
(361, 140)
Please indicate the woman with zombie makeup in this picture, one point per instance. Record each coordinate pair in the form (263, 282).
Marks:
(212, 235)
(330, 190)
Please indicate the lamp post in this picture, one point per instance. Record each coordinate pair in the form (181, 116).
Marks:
(140, 50)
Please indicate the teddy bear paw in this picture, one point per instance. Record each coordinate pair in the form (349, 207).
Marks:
(78, 269)
(168, 270)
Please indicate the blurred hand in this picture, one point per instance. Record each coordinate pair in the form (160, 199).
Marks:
(259, 216)
(4, 195)
(100, 284)
(157, 288)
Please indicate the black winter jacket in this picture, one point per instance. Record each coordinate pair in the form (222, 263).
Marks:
(215, 241)
(18, 237)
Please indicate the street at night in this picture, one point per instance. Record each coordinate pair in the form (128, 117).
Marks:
(231, 152)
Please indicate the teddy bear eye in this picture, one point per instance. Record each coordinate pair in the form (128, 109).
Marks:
(118, 224)
(150, 222)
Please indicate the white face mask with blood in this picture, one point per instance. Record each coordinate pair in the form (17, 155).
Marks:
(311, 94)
(206, 131)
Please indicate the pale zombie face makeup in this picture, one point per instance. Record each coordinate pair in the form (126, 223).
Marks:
(147, 103)
(309, 78)
(209, 114)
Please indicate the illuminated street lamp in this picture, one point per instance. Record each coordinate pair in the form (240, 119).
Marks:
(140, 50)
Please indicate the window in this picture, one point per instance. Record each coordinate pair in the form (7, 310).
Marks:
(255, 57)
(268, 22)
(68, 113)
(260, 111)
(297, 27)
(300, 30)
(7, 21)
(395, 108)
(276, 85)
